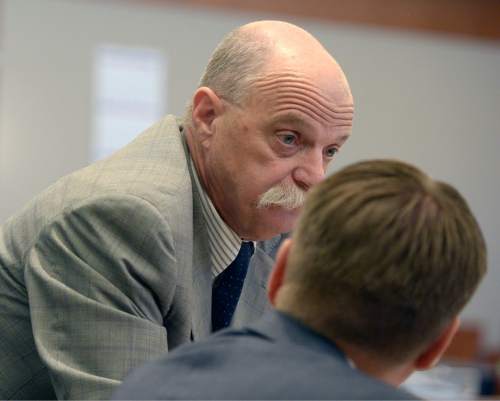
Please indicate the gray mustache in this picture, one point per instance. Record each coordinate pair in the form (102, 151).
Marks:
(284, 195)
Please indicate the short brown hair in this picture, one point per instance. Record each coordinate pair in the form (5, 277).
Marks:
(383, 257)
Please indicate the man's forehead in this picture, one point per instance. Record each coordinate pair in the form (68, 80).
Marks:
(326, 89)
(298, 106)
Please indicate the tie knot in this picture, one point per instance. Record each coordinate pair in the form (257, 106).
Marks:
(246, 249)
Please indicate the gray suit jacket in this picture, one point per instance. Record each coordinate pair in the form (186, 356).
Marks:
(108, 268)
(277, 358)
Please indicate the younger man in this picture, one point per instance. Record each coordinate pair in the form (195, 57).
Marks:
(367, 291)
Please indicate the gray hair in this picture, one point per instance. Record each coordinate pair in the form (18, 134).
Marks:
(234, 67)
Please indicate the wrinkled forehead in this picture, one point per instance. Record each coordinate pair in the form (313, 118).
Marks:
(324, 98)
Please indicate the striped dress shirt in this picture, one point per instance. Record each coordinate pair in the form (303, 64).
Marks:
(224, 244)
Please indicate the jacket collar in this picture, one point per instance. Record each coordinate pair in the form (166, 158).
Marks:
(279, 326)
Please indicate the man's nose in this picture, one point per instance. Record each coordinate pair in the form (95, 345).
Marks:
(310, 171)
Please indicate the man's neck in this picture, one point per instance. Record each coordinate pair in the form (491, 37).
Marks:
(196, 155)
(392, 374)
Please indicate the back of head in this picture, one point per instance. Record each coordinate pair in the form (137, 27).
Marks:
(383, 258)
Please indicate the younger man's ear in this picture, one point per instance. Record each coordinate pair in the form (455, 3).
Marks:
(431, 356)
(278, 272)
(206, 107)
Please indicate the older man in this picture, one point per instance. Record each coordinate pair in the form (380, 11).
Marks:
(382, 261)
(138, 253)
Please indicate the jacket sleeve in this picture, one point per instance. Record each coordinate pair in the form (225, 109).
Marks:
(100, 279)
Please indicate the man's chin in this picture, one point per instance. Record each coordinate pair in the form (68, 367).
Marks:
(282, 218)
(271, 221)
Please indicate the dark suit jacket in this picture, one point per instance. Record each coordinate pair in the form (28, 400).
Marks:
(107, 269)
(276, 358)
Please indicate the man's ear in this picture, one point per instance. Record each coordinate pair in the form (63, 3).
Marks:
(433, 353)
(206, 107)
(278, 271)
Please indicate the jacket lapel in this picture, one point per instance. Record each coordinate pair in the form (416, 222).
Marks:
(201, 290)
(202, 279)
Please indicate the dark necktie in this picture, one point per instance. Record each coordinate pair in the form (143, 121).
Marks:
(227, 287)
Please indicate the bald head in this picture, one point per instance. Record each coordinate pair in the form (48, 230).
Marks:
(286, 40)
(254, 51)
(280, 33)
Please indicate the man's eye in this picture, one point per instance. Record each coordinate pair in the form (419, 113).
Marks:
(288, 139)
(330, 152)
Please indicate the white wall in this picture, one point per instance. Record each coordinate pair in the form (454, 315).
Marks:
(432, 101)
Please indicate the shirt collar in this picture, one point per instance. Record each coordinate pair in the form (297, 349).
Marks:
(277, 325)
(224, 244)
